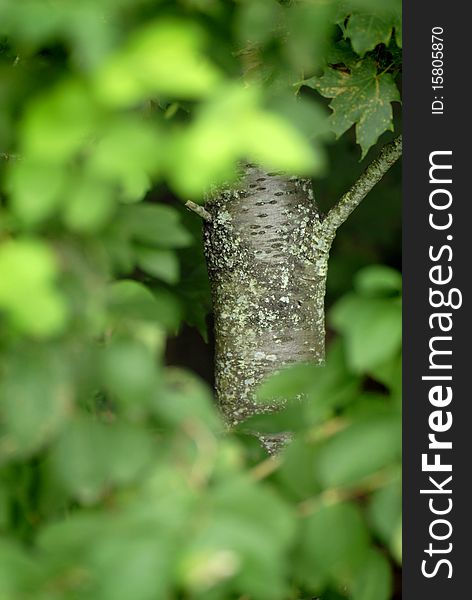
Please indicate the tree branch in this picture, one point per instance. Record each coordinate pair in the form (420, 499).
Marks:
(372, 175)
(199, 210)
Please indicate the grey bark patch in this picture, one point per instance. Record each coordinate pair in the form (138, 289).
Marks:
(267, 271)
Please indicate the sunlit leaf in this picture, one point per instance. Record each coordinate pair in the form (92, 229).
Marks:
(28, 293)
(164, 57)
(58, 123)
(36, 190)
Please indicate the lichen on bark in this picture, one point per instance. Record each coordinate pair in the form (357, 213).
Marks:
(267, 263)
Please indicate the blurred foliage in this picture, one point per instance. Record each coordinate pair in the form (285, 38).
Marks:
(117, 479)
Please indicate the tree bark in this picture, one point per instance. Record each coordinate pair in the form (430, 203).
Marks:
(267, 264)
(267, 249)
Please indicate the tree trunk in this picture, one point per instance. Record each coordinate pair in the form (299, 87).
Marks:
(267, 265)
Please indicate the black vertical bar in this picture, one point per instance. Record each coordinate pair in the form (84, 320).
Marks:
(446, 129)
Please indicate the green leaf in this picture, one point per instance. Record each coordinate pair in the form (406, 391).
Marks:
(297, 471)
(82, 27)
(334, 386)
(230, 546)
(36, 399)
(165, 57)
(134, 186)
(132, 300)
(334, 541)
(127, 154)
(291, 417)
(58, 123)
(130, 374)
(398, 30)
(257, 21)
(310, 28)
(163, 264)
(19, 572)
(396, 547)
(341, 53)
(70, 536)
(371, 404)
(137, 565)
(367, 30)
(170, 308)
(183, 398)
(90, 457)
(27, 288)
(308, 117)
(374, 579)
(36, 190)
(154, 224)
(102, 541)
(277, 145)
(385, 511)
(390, 374)
(288, 383)
(362, 97)
(259, 528)
(360, 450)
(378, 280)
(259, 506)
(89, 205)
(126, 145)
(372, 329)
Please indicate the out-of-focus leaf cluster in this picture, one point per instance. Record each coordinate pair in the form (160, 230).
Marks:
(117, 480)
